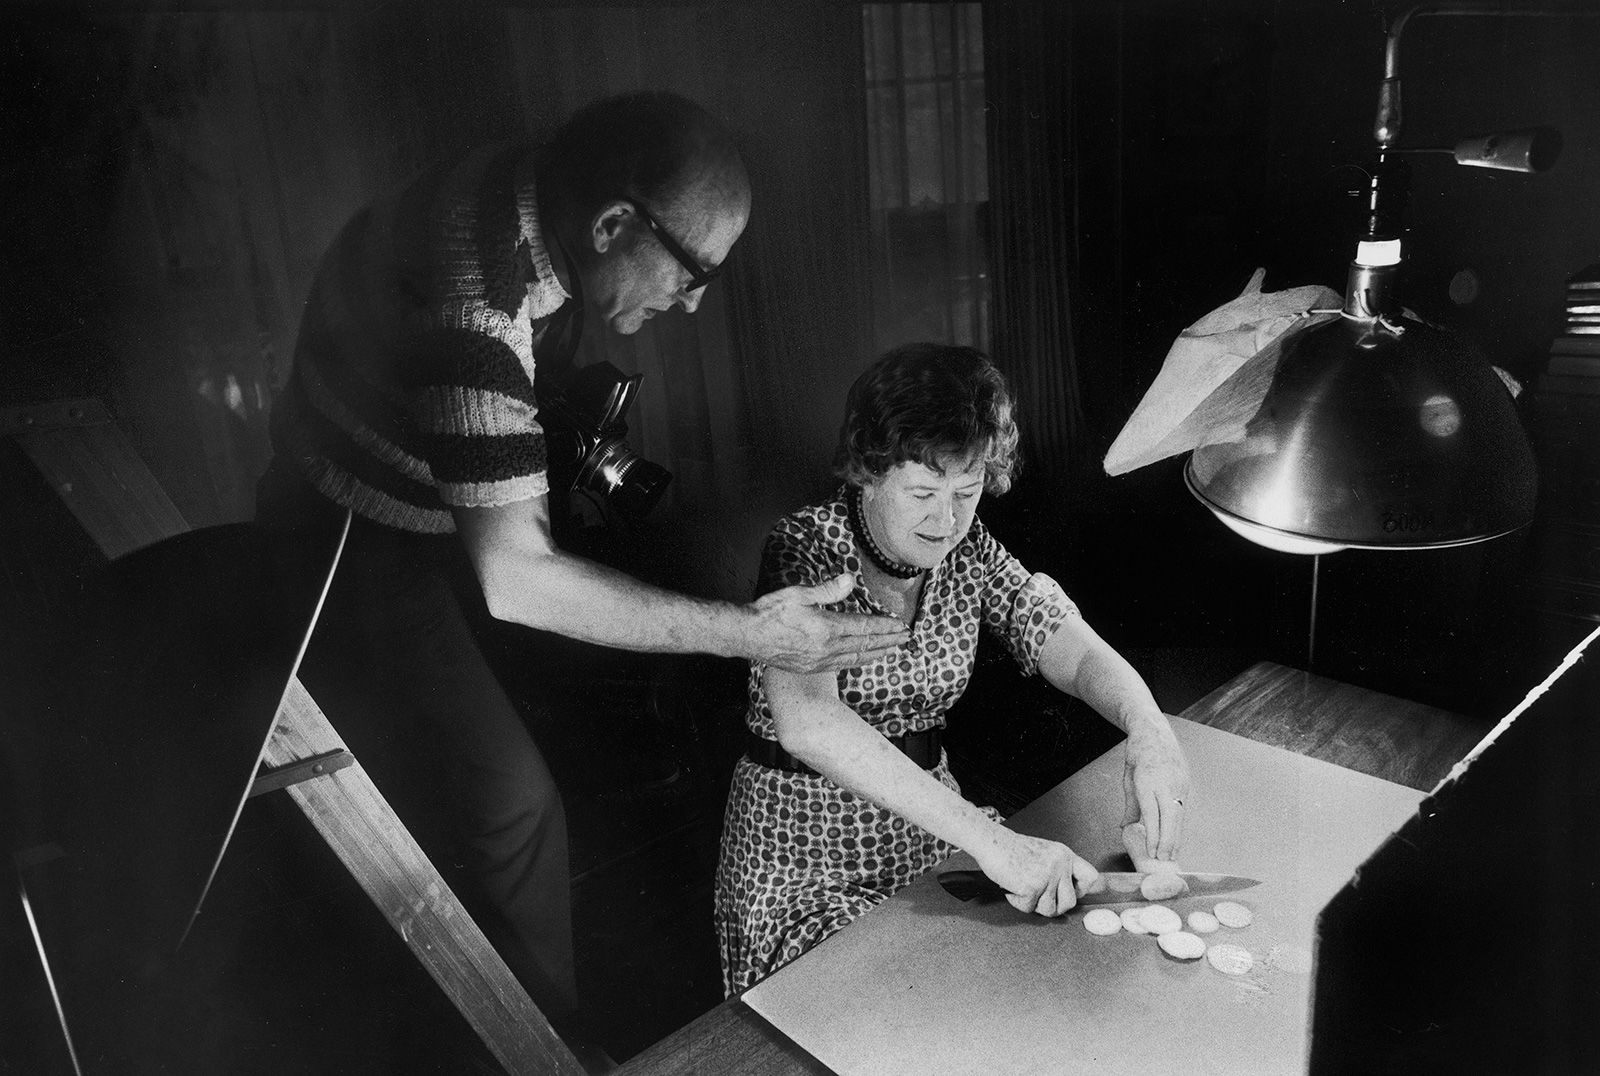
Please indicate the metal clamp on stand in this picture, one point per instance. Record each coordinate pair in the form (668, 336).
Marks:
(270, 780)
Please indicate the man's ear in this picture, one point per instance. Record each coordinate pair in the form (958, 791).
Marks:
(608, 223)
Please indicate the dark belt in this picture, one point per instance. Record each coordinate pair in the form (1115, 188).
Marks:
(922, 747)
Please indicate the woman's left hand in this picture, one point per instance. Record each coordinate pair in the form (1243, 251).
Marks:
(1155, 784)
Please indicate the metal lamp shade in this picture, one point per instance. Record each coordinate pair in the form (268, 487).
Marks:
(1374, 440)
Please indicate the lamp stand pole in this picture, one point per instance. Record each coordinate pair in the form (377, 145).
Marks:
(1311, 630)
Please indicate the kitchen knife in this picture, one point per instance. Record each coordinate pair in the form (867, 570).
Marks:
(1112, 887)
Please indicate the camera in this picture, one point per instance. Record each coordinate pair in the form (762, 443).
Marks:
(587, 443)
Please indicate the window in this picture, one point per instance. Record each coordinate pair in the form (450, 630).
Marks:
(928, 171)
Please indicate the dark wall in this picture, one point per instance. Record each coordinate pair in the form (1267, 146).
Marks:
(177, 176)
(175, 172)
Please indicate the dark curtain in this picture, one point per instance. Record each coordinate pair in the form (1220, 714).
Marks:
(1032, 227)
(800, 296)
(742, 401)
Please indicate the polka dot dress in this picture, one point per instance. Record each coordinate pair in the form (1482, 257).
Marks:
(801, 857)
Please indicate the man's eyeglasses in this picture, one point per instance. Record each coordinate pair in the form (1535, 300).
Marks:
(699, 275)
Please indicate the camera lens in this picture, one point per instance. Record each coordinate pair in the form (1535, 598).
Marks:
(629, 482)
(641, 487)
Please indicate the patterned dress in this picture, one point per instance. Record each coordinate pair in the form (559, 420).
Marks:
(801, 857)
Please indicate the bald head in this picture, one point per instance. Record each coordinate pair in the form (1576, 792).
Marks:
(645, 194)
(656, 147)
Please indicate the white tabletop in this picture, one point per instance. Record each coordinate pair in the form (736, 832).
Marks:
(926, 984)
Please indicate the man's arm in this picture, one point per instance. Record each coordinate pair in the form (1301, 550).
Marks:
(528, 579)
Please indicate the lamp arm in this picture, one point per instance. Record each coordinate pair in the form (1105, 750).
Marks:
(1386, 128)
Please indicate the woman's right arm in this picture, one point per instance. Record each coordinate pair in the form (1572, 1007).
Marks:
(815, 726)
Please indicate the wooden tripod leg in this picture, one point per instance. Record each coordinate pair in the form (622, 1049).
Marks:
(372, 842)
(85, 458)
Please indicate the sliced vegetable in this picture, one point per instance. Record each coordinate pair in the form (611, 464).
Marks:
(1181, 945)
(1162, 885)
(1161, 880)
(1133, 919)
(1159, 919)
(1202, 922)
(1230, 913)
(1230, 959)
(1121, 883)
(1102, 921)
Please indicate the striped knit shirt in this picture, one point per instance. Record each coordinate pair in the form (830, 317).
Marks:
(412, 387)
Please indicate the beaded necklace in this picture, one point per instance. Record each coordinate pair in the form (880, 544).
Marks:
(858, 523)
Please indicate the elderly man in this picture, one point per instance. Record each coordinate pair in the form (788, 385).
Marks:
(411, 404)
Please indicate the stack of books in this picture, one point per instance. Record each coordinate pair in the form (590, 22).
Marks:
(1565, 426)
(1574, 364)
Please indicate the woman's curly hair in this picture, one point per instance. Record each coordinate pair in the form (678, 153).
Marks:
(928, 403)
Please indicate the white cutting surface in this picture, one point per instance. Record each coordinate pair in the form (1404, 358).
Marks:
(926, 984)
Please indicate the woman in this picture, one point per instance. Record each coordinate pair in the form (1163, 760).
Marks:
(845, 795)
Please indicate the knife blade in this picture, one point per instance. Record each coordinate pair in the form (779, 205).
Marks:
(1112, 887)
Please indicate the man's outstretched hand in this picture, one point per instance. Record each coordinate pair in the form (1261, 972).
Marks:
(794, 634)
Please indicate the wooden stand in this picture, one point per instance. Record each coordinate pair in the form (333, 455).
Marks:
(95, 471)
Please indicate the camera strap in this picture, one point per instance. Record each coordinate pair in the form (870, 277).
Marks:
(563, 329)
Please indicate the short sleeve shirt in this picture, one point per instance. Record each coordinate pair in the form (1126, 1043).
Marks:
(412, 390)
(978, 585)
